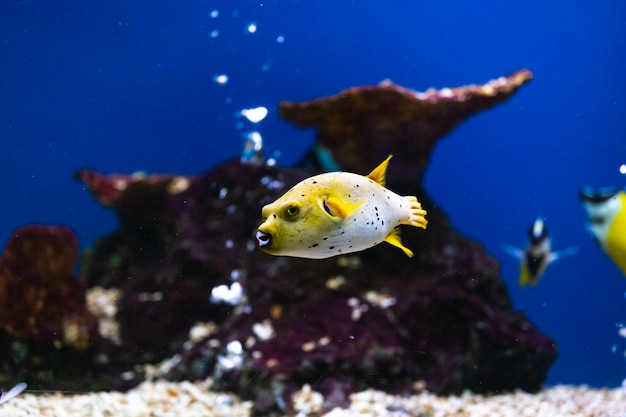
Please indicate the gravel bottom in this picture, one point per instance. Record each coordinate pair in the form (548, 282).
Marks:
(186, 399)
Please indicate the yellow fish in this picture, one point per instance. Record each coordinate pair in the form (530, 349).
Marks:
(537, 255)
(607, 221)
(337, 213)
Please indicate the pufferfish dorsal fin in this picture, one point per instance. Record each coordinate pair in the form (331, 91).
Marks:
(393, 238)
(337, 202)
(378, 173)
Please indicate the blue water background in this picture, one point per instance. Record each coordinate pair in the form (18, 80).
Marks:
(123, 86)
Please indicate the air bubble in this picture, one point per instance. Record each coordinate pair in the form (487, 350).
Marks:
(255, 115)
(220, 79)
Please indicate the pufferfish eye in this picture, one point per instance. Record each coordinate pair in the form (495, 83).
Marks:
(291, 211)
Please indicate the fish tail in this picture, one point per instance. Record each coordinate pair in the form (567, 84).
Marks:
(524, 277)
(416, 217)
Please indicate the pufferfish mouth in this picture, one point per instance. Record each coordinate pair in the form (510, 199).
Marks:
(264, 239)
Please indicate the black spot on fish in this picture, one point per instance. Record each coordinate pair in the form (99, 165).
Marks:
(314, 182)
(375, 208)
(315, 245)
(383, 222)
(326, 238)
(342, 232)
(301, 195)
(274, 215)
(331, 247)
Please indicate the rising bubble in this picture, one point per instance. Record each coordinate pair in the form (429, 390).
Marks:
(254, 115)
(220, 79)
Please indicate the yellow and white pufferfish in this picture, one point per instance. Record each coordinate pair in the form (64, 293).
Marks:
(337, 213)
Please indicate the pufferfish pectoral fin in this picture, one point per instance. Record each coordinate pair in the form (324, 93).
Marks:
(393, 238)
(378, 173)
(336, 202)
(335, 207)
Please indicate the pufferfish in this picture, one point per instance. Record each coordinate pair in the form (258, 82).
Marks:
(607, 221)
(537, 255)
(337, 213)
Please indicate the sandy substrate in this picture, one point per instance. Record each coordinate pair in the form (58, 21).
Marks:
(161, 399)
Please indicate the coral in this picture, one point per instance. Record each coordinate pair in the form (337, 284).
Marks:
(376, 319)
(200, 242)
(49, 333)
(48, 337)
(196, 293)
(135, 197)
(362, 125)
(40, 297)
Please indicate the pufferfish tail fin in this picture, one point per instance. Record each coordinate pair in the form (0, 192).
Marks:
(393, 238)
(416, 218)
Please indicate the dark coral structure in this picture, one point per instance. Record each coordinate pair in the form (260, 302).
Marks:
(40, 297)
(46, 329)
(362, 125)
(197, 293)
(378, 319)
